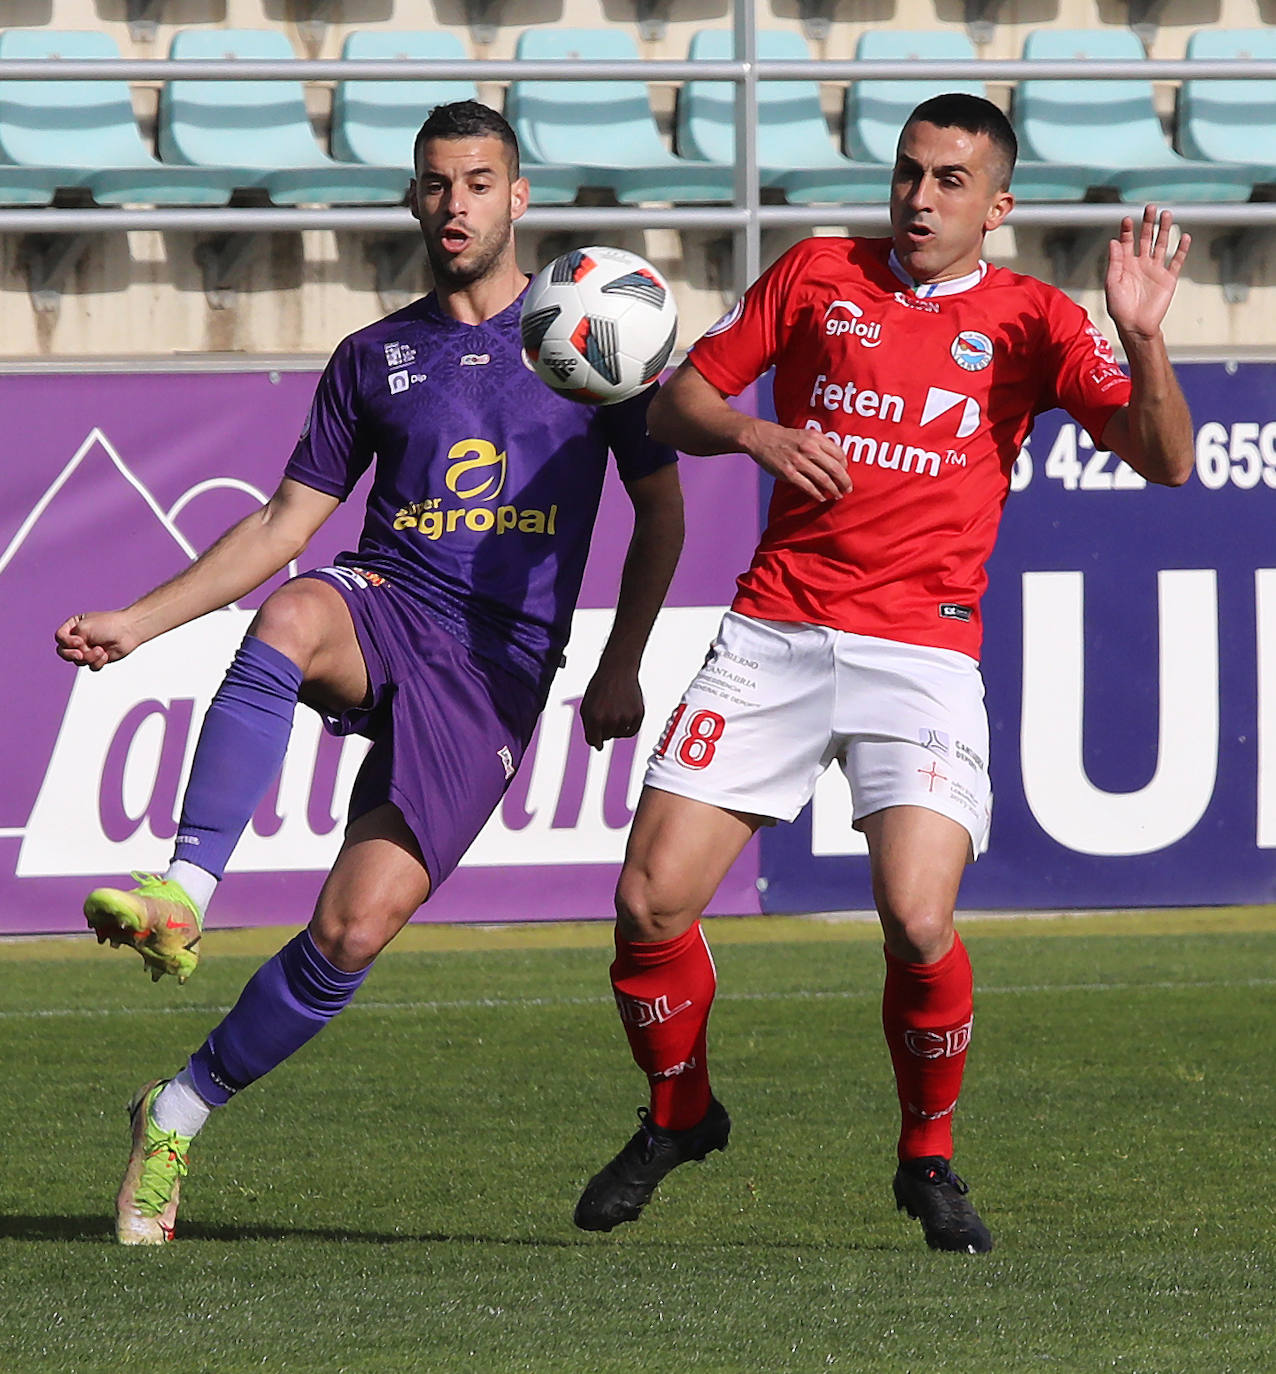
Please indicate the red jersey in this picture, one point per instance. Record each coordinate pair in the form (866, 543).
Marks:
(930, 393)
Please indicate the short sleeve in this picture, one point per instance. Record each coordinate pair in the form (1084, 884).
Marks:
(624, 425)
(332, 452)
(744, 343)
(1082, 371)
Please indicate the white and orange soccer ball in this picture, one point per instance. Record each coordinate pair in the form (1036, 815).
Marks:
(599, 324)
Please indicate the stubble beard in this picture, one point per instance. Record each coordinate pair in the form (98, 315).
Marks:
(486, 252)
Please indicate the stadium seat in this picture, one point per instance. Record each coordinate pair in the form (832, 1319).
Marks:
(84, 134)
(795, 152)
(1115, 122)
(1230, 121)
(604, 127)
(262, 125)
(376, 122)
(876, 110)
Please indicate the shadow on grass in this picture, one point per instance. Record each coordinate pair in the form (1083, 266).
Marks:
(99, 1229)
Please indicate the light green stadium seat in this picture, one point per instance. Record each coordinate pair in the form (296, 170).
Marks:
(1114, 123)
(376, 122)
(28, 186)
(1230, 121)
(876, 111)
(604, 127)
(795, 152)
(262, 125)
(84, 134)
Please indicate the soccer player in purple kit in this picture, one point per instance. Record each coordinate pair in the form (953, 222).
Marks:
(437, 637)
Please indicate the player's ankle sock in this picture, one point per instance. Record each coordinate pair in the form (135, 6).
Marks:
(241, 746)
(926, 1014)
(286, 1002)
(664, 990)
(198, 883)
(178, 1107)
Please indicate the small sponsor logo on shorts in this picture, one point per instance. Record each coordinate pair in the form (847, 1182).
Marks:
(951, 610)
(934, 740)
(507, 760)
(934, 775)
(966, 755)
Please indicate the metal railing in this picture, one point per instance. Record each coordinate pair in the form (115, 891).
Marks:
(744, 220)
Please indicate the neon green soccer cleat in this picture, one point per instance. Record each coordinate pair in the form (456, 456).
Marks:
(157, 918)
(146, 1207)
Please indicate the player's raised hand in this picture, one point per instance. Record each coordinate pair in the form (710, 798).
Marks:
(809, 459)
(1143, 273)
(95, 639)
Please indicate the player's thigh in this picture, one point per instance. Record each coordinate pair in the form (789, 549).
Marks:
(753, 731)
(679, 850)
(916, 734)
(377, 882)
(917, 857)
(308, 621)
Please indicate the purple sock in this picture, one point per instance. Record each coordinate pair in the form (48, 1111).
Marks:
(290, 998)
(241, 747)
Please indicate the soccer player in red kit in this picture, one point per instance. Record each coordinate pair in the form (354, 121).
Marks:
(907, 375)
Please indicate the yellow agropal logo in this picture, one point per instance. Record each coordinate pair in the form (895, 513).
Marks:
(477, 474)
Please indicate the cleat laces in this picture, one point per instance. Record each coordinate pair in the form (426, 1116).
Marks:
(164, 1165)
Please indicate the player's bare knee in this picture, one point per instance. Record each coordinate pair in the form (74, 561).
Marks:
(351, 942)
(643, 911)
(918, 936)
(293, 620)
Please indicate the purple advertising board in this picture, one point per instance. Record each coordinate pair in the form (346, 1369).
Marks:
(1130, 664)
(1130, 658)
(112, 483)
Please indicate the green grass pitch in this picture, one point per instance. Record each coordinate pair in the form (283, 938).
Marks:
(398, 1196)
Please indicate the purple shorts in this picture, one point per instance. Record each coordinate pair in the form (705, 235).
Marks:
(448, 729)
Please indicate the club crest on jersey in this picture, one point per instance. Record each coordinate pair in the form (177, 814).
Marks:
(399, 354)
(972, 351)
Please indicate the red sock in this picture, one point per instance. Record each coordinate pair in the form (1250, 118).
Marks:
(926, 1014)
(664, 990)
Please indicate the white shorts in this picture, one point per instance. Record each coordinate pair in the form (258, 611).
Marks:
(776, 703)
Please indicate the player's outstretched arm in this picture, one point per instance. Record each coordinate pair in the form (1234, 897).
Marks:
(693, 415)
(1153, 433)
(612, 706)
(242, 559)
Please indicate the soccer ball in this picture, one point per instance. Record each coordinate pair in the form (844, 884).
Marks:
(598, 325)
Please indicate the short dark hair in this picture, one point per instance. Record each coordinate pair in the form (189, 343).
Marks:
(467, 119)
(974, 114)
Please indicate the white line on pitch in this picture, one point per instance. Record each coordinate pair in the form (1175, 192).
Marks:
(796, 995)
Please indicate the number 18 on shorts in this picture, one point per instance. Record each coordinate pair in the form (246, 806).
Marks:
(775, 703)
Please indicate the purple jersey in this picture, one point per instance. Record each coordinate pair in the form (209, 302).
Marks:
(486, 484)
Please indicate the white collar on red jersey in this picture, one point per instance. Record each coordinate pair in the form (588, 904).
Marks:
(925, 289)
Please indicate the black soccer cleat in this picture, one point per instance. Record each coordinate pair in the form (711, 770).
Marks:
(929, 1191)
(621, 1189)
